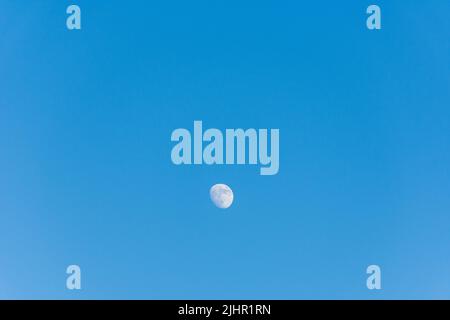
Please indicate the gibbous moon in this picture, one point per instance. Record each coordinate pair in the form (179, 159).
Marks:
(221, 195)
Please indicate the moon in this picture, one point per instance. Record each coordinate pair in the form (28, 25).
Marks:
(221, 195)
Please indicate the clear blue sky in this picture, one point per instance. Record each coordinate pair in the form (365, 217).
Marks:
(85, 170)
